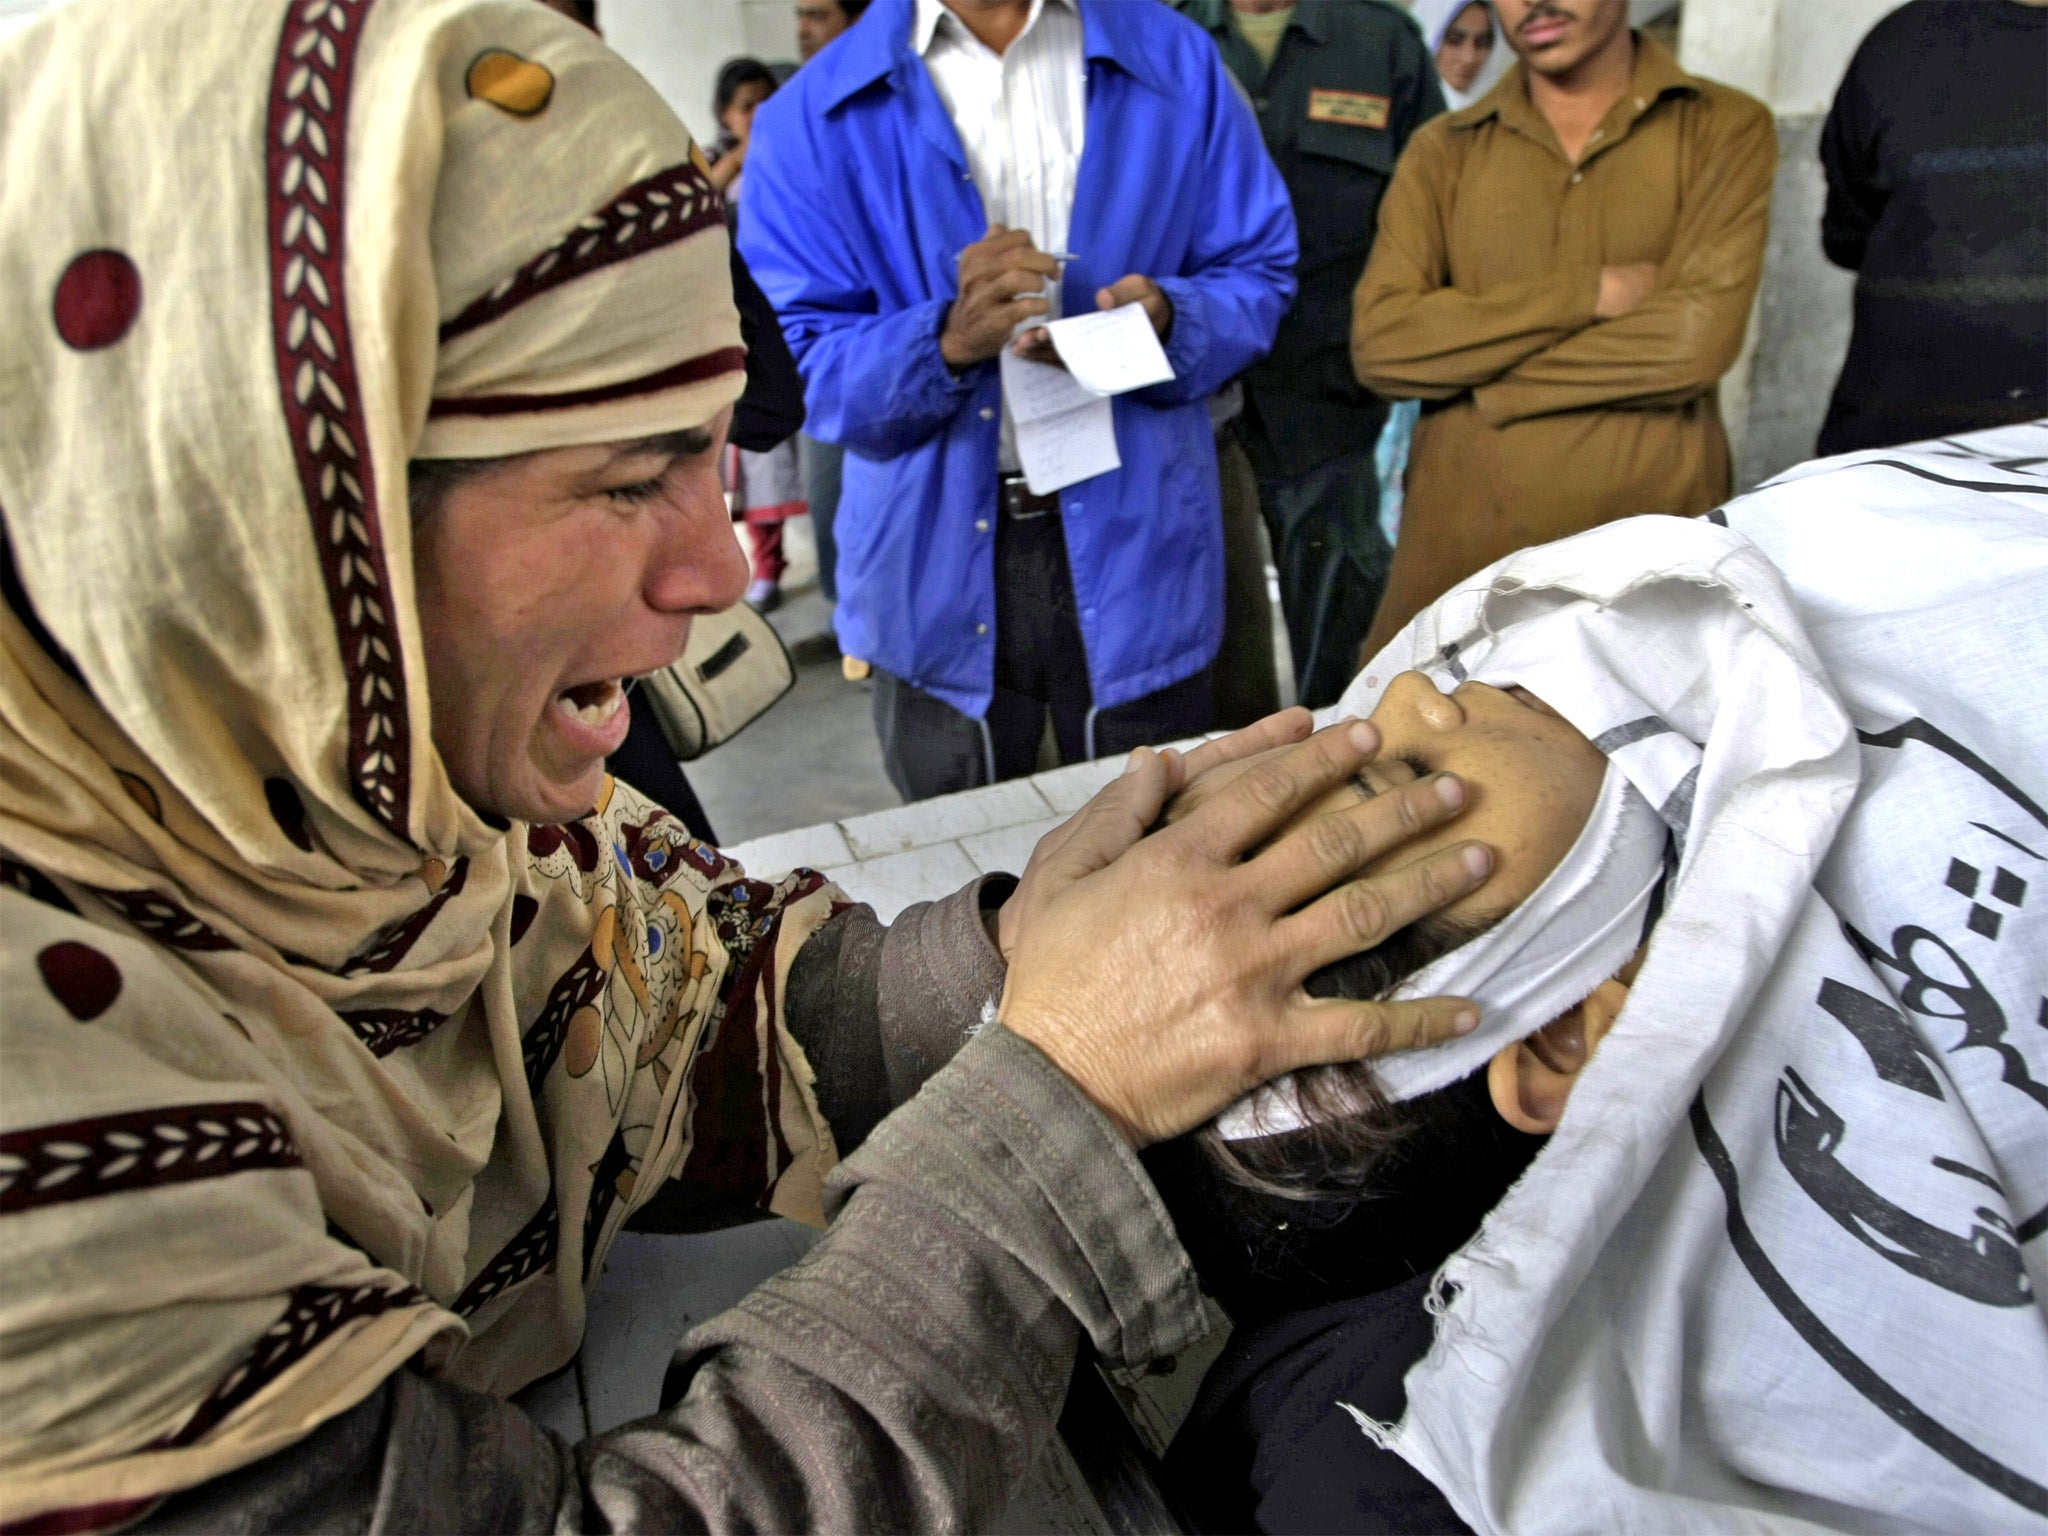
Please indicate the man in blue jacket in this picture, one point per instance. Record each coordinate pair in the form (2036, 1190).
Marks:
(937, 179)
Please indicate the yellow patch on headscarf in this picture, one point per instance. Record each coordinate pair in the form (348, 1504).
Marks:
(579, 1045)
(505, 80)
(697, 158)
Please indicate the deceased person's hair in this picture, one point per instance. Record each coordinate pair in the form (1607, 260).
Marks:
(1353, 1124)
(1368, 1194)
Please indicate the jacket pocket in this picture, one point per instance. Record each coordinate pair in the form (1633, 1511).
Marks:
(1342, 171)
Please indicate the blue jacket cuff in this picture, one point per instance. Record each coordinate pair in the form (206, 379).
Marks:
(1187, 344)
(927, 381)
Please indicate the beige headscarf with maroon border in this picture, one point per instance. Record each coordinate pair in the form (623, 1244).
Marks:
(308, 1066)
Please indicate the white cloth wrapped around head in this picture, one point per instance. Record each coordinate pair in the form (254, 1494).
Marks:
(1577, 929)
(1435, 18)
(1779, 1264)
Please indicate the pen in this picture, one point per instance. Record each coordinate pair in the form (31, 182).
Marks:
(1059, 256)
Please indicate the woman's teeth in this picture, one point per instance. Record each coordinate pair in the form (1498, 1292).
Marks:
(591, 703)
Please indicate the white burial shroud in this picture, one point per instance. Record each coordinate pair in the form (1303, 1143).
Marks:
(1781, 1265)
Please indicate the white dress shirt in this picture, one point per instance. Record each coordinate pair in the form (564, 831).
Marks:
(1021, 115)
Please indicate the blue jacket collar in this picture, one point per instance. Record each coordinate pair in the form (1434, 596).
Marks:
(865, 53)
(878, 46)
(1114, 32)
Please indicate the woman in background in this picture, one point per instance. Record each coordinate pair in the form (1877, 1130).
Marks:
(1461, 37)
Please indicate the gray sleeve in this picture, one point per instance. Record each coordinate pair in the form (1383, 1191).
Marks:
(415, 1455)
(878, 1010)
(907, 1372)
(903, 1376)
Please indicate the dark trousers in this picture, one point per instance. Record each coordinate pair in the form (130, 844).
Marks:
(1333, 562)
(930, 748)
(821, 467)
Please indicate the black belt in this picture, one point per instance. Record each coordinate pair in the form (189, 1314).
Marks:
(1019, 504)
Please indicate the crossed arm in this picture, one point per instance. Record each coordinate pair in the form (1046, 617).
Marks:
(1568, 339)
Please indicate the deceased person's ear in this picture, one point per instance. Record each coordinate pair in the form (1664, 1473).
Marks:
(1532, 1079)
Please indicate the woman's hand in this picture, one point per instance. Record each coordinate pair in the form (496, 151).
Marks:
(1111, 835)
(1165, 979)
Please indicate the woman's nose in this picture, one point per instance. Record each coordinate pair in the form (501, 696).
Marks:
(1413, 699)
(695, 565)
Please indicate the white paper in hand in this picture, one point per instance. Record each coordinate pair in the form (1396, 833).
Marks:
(1065, 434)
(1035, 391)
(1112, 351)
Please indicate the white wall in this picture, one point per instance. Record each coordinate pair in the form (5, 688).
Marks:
(1791, 55)
(1788, 53)
(1816, 39)
(679, 45)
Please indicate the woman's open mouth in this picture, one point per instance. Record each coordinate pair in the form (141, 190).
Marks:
(594, 716)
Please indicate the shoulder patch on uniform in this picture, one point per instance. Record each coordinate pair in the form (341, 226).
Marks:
(1354, 107)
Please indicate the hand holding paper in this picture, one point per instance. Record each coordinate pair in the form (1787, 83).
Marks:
(1035, 344)
(1065, 426)
(1111, 352)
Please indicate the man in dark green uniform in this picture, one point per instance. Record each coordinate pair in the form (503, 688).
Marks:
(1338, 86)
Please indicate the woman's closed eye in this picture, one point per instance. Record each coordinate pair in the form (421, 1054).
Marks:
(670, 450)
(639, 492)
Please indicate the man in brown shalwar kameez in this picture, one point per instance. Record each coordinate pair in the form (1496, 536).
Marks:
(1563, 272)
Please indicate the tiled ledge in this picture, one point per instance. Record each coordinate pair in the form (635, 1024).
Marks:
(931, 848)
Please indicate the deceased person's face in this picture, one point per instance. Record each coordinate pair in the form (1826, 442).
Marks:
(1530, 781)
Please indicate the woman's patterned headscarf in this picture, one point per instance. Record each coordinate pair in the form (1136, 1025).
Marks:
(244, 286)
(306, 1059)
